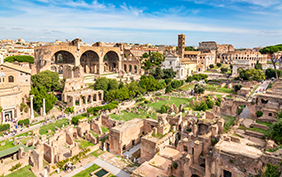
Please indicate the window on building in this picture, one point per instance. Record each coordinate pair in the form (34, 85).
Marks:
(270, 114)
(170, 62)
(185, 148)
(11, 79)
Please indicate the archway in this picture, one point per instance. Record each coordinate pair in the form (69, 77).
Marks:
(195, 175)
(130, 68)
(89, 61)
(125, 68)
(111, 58)
(63, 57)
(135, 69)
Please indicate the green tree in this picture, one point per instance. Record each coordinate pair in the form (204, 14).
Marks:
(211, 66)
(47, 79)
(101, 83)
(218, 65)
(159, 73)
(189, 79)
(237, 87)
(168, 81)
(258, 65)
(199, 88)
(110, 95)
(122, 94)
(19, 58)
(223, 69)
(154, 59)
(40, 93)
(271, 50)
(269, 73)
(209, 102)
(113, 84)
(271, 170)
(252, 75)
(276, 131)
(190, 48)
(169, 73)
(168, 89)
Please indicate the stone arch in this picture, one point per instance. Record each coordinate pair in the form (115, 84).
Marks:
(60, 69)
(89, 60)
(125, 67)
(135, 68)
(53, 69)
(63, 57)
(112, 59)
(130, 68)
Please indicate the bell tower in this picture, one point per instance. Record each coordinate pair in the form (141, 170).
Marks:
(181, 45)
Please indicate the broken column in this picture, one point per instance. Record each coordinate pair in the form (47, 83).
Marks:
(44, 112)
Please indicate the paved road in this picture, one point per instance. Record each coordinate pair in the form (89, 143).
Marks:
(107, 166)
(261, 86)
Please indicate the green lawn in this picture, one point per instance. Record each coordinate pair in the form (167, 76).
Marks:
(51, 126)
(94, 134)
(97, 153)
(84, 144)
(25, 140)
(177, 101)
(210, 87)
(187, 87)
(85, 173)
(265, 132)
(8, 144)
(104, 129)
(22, 172)
(228, 121)
(126, 116)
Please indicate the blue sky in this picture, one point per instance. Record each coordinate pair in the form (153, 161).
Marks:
(243, 23)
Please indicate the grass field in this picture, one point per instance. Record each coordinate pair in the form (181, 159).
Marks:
(210, 87)
(51, 126)
(126, 116)
(85, 173)
(228, 121)
(84, 144)
(23, 141)
(8, 144)
(22, 172)
(187, 87)
(177, 101)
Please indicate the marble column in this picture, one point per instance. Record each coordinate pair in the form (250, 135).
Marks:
(44, 111)
(31, 107)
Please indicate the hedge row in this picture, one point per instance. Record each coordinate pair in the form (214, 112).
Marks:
(25, 122)
(109, 106)
(4, 127)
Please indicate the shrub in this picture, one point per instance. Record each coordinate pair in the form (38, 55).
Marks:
(18, 165)
(259, 113)
(69, 110)
(209, 102)
(4, 127)
(217, 103)
(19, 58)
(147, 102)
(74, 119)
(95, 110)
(213, 141)
(164, 108)
(218, 64)
(237, 87)
(140, 99)
(201, 107)
(158, 94)
(189, 79)
(25, 122)
(168, 89)
(199, 88)
(211, 66)
(175, 165)
(224, 70)
(168, 81)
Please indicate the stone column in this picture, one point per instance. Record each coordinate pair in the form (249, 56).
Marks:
(44, 112)
(31, 107)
